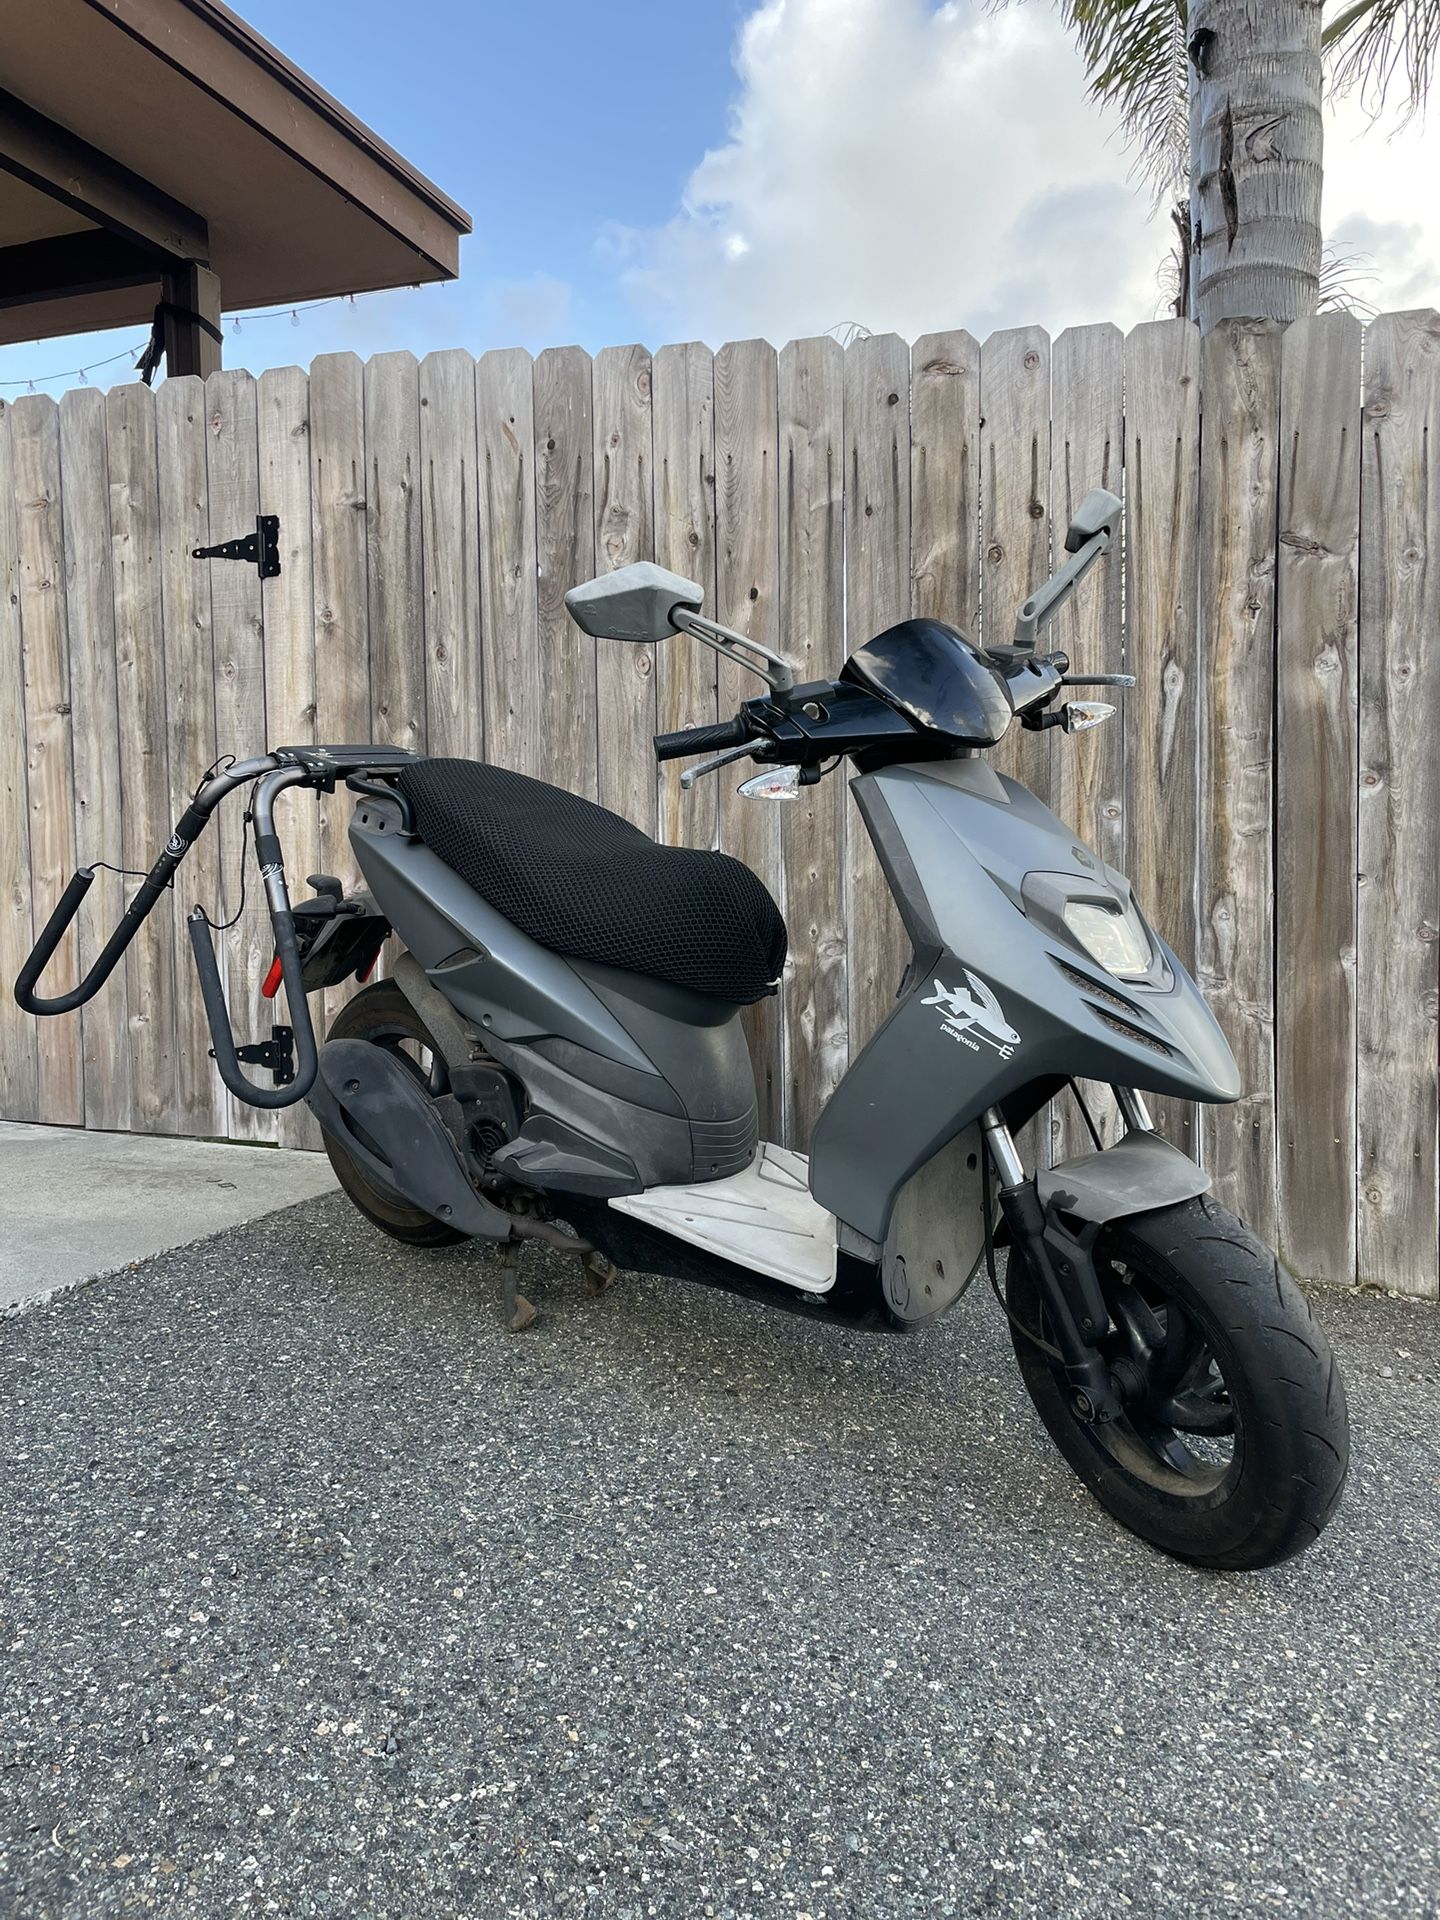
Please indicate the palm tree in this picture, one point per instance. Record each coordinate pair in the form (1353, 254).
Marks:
(1226, 95)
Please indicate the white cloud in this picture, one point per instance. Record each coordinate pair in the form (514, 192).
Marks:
(913, 167)
(1381, 208)
(907, 168)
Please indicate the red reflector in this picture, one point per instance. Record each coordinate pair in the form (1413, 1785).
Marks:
(272, 979)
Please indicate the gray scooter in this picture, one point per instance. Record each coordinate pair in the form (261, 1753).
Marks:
(558, 1055)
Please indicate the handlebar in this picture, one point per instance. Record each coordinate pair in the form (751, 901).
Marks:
(724, 733)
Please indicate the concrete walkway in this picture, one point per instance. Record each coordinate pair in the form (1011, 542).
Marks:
(76, 1204)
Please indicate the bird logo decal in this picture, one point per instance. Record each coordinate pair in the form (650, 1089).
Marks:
(973, 1013)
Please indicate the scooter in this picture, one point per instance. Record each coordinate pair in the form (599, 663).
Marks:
(558, 1055)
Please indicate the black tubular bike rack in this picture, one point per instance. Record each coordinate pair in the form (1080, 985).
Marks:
(293, 1073)
(222, 1035)
(191, 823)
(292, 1080)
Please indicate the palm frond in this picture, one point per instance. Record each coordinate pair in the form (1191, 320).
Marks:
(1341, 277)
(1373, 44)
(1134, 54)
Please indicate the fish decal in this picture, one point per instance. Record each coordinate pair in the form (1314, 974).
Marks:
(973, 1010)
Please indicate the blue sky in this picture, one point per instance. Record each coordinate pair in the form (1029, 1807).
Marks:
(668, 169)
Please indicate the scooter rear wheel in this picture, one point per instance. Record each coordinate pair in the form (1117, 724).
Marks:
(1234, 1442)
(382, 1015)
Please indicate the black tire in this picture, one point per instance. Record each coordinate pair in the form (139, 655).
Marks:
(382, 1015)
(1258, 1375)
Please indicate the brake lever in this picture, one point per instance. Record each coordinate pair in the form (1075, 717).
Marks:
(692, 774)
(1097, 680)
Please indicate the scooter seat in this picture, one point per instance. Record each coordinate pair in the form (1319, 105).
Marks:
(584, 882)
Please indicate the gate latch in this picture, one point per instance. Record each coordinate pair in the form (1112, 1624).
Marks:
(261, 548)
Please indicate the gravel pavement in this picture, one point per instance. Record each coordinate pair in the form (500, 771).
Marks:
(321, 1595)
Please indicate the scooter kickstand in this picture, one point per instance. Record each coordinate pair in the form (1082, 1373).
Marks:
(515, 1310)
(600, 1272)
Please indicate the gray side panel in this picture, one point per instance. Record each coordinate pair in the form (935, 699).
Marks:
(1139, 1174)
(506, 983)
(695, 1041)
(649, 1073)
(1001, 1003)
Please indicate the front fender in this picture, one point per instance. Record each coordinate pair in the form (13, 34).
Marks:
(1139, 1174)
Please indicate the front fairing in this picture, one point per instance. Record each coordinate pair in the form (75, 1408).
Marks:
(998, 995)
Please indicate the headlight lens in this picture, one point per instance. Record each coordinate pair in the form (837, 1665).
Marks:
(1110, 935)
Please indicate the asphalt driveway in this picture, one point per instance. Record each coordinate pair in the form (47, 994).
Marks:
(321, 1595)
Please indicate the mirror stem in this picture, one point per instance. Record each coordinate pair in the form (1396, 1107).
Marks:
(1046, 601)
(775, 672)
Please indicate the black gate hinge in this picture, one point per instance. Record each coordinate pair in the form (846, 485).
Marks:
(261, 548)
(277, 1053)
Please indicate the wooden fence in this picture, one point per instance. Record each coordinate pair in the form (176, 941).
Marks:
(1272, 788)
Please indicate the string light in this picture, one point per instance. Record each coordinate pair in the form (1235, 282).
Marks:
(32, 382)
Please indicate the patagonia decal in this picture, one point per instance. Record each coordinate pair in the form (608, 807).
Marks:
(971, 1014)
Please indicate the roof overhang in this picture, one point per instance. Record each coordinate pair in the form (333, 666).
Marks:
(140, 135)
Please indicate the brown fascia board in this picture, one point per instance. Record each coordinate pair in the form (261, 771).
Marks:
(219, 52)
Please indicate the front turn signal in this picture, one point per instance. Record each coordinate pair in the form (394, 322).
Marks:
(1078, 716)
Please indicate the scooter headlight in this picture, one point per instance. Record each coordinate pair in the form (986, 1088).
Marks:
(1112, 936)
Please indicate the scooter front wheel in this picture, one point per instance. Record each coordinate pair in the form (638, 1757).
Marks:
(1233, 1444)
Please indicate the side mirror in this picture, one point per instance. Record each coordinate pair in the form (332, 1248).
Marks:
(1098, 512)
(633, 603)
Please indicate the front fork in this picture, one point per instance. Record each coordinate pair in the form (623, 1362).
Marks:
(1063, 1264)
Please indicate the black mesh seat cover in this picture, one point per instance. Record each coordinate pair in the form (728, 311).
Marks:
(584, 882)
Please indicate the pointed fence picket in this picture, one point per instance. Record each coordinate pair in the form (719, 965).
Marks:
(1270, 788)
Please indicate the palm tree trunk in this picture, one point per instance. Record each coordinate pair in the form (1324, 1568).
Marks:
(1256, 148)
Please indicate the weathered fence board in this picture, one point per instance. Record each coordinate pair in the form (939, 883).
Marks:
(811, 466)
(565, 554)
(877, 594)
(1162, 458)
(945, 479)
(1087, 441)
(96, 735)
(686, 676)
(198, 1105)
(341, 579)
(1398, 962)
(233, 472)
(392, 550)
(451, 531)
(624, 502)
(1236, 953)
(516, 710)
(1275, 596)
(1316, 794)
(40, 549)
(139, 641)
(287, 603)
(747, 599)
(18, 1098)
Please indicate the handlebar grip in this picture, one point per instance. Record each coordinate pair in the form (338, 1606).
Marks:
(725, 733)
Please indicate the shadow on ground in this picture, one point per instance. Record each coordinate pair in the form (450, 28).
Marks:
(321, 1595)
